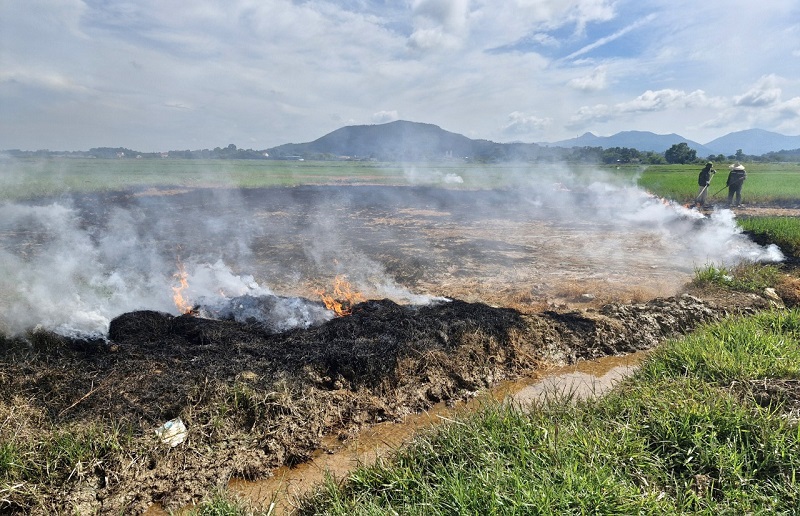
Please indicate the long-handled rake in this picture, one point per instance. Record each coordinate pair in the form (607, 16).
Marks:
(700, 195)
(721, 189)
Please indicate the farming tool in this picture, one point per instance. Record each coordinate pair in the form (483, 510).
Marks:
(721, 189)
(700, 195)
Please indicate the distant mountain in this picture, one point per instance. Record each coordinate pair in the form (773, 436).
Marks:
(407, 141)
(639, 140)
(754, 142)
(413, 141)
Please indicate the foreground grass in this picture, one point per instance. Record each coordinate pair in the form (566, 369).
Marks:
(685, 435)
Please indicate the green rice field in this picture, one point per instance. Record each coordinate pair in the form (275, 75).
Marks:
(43, 177)
(26, 178)
(766, 182)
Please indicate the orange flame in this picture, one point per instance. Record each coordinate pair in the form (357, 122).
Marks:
(182, 303)
(343, 298)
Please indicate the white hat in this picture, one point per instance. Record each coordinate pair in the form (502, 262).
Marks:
(738, 166)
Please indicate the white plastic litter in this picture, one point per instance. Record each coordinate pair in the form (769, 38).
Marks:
(173, 432)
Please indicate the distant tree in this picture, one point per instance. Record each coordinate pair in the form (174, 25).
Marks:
(653, 158)
(621, 155)
(739, 156)
(680, 153)
(580, 154)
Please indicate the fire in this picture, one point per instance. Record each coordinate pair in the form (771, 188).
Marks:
(183, 304)
(343, 298)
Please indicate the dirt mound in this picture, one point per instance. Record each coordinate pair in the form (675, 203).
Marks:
(253, 399)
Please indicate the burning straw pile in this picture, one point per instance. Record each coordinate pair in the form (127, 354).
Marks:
(254, 399)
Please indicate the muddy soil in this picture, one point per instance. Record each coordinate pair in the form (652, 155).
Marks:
(254, 399)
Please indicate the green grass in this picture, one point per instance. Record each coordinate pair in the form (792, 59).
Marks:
(38, 177)
(59, 455)
(44, 177)
(744, 350)
(783, 231)
(222, 503)
(680, 437)
(744, 277)
(766, 182)
(34, 177)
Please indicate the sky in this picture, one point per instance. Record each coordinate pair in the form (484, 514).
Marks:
(158, 75)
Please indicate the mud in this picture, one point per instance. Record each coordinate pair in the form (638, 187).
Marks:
(282, 492)
(524, 294)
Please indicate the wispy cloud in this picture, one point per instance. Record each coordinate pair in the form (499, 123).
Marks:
(611, 37)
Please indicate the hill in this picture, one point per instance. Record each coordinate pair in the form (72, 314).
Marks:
(754, 142)
(639, 140)
(406, 141)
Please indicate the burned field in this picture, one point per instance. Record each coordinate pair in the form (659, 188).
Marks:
(463, 289)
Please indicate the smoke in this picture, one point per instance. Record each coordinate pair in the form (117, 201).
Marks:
(416, 176)
(56, 275)
(74, 262)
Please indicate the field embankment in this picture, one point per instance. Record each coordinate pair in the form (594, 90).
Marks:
(709, 425)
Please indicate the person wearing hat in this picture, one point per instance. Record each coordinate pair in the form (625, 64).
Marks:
(734, 183)
(704, 179)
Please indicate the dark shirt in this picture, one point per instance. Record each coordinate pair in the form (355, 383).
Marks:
(736, 178)
(705, 176)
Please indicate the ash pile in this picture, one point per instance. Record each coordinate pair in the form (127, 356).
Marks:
(272, 313)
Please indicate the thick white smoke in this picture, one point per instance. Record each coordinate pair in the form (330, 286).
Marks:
(71, 266)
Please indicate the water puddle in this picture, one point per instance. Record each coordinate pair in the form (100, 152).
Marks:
(281, 491)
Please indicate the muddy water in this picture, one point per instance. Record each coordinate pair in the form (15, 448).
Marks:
(281, 491)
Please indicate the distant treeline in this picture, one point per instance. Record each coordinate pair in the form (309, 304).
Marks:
(500, 153)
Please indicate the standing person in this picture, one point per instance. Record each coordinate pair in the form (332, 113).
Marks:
(734, 183)
(704, 179)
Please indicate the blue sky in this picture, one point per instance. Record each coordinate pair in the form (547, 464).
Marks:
(158, 75)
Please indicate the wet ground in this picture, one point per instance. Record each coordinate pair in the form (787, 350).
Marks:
(281, 491)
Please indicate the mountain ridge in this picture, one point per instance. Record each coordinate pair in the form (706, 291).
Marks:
(405, 140)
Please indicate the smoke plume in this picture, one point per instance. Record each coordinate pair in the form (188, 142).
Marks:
(71, 263)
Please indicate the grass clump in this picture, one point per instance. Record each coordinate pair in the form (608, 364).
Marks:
(222, 502)
(675, 438)
(744, 277)
(763, 346)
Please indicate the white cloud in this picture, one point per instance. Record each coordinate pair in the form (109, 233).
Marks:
(438, 23)
(53, 81)
(520, 124)
(764, 93)
(154, 76)
(382, 117)
(607, 39)
(648, 101)
(595, 81)
(790, 108)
